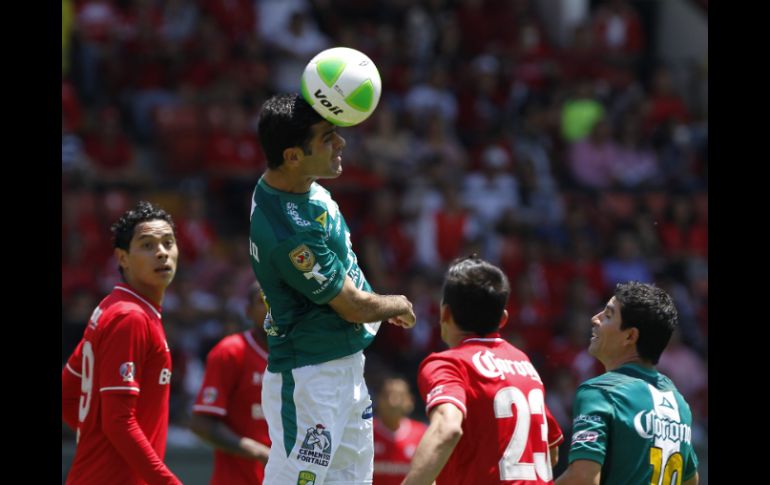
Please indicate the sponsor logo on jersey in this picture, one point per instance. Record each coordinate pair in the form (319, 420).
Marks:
(209, 395)
(302, 258)
(587, 418)
(434, 392)
(649, 424)
(127, 371)
(291, 209)
(317, 446)
(256, 378)
(367, 414)
(306, 478)
(94, 320)
(322, 219)
(493, 367)
(165, 377)
(257, 412)
(584, 437)
(315, 273)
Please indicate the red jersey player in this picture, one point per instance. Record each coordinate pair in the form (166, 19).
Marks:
(228, 410)
(488, 420)
(115, 386)
(395, 435)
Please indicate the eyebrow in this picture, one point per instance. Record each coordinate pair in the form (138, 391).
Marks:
(145, 236)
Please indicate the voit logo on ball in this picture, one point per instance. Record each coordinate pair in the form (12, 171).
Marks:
(342, 85)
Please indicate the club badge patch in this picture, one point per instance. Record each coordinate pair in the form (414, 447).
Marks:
(306, 478)
(209, 395)
(127, 371)
(302, 258)
(317, 446)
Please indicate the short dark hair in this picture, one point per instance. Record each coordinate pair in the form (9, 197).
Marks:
(123, 229)
(285, 122)
(652, 311)
(476, 293)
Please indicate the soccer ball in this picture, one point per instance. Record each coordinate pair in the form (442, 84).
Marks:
(342, 85)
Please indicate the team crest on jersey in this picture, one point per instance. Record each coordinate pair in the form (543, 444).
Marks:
(302, 258)
(209, 395)
(127, 371)
(306, 478)
(317, 446)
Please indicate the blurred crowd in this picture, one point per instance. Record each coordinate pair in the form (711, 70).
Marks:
(572, 165)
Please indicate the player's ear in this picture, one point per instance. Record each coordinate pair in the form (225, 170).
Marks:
(632, 336)
(503, 319)
(292, 156)
(122, 256)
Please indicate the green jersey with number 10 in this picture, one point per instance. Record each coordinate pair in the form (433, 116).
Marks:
(300, 250)
(633, 422)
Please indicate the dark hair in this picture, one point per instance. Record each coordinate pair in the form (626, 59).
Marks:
(652, 311)
(476, 293)
(285, 122)
(123, 229)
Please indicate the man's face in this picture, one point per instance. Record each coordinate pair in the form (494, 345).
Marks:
(395, 399)
(607, 338)
(151, 259)
(324, 157)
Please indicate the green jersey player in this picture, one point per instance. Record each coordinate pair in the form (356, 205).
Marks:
(631, 425)
(323, 312)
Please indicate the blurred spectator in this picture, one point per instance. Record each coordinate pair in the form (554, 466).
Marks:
(492, 191)
(591, 161)
(580, 113)
(295, 45)
(636, 164)
(626, 262)
(111, 151)
(432, 97)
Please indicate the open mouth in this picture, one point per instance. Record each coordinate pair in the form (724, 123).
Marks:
(163, 269)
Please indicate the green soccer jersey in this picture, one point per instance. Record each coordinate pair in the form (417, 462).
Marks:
(633, 422)
(300, 250)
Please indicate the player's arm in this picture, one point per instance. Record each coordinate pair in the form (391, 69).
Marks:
(554, 456)
(70, 395)
(692, 481)
(219, 435)
(581, 472)
(121, 428)
(359, 306)
(436, 445)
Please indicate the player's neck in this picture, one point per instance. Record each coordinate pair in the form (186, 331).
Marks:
(391, 422)
(150, 293)
(287, 182)
(629, 359)
(259, 336)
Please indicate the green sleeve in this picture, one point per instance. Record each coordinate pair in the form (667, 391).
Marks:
(308, 265)
(690, 464)
(593, 415)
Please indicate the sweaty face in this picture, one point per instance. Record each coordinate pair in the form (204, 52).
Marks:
(607, 338)
(149, 265)
(324, 156)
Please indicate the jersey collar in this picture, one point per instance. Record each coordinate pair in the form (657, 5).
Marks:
(286, 195)
(127, 289)
(493, 337)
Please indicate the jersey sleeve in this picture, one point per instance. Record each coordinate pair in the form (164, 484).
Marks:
(218, 382)
(440, 380)
(122, 354)
(690, 464)
(70, 388)
(593, 415)
(555, 434)
(309, 266)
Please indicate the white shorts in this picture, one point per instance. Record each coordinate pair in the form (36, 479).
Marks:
(320, 423)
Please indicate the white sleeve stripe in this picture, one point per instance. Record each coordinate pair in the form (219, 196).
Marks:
(73, 370)
(119, 389)
(555, 441)
(451, 399)
(211, 409)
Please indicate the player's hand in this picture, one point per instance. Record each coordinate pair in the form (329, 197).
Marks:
(405, 320)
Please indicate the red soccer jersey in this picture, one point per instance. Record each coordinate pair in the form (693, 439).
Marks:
(232, 390)
(508, 429)
(393, 451)
(124, 351)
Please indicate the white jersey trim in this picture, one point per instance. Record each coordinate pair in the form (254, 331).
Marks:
(451, 399)
(211, 409)
(495, 339)
(254, 345)
(73, 370)
(157, 314)
(119, 389)
(555, 441)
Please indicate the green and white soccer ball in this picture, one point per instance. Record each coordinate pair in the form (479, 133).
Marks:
(342, 85)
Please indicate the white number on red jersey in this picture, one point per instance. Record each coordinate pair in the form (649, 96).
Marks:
(86, 381)
(511, 468)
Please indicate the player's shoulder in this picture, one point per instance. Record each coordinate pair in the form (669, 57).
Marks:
(610, 382)
(231, 345)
